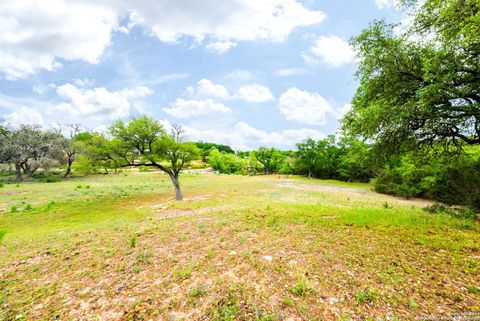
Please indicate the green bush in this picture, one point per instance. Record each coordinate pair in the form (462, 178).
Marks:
(453, 181)
(39, 175)
(459, 184)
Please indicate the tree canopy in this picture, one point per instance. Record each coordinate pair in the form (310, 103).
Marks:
(420, 86)
(144, 142)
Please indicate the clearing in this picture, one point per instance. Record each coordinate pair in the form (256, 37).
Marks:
(118, 247)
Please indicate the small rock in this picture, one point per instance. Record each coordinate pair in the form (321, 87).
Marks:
(268, 258)
(332, 300)
(233, 253)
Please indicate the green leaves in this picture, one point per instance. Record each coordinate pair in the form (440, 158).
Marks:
(420, 86)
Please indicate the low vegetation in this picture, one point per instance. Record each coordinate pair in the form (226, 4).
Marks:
(237, 248)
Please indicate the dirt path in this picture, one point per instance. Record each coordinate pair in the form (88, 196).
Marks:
(355, 192)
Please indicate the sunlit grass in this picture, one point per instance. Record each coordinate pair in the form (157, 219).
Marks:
(241, 246)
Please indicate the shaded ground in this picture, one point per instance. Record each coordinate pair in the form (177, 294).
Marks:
(239, 248)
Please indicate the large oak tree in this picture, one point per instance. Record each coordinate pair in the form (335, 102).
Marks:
(144, 142)
(420, 86)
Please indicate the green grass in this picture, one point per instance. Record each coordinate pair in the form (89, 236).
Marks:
(123, 242)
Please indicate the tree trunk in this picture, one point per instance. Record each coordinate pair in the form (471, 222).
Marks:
(69, 168)
(309, 173)
(18, 171)
(27, 170)
(176, 184)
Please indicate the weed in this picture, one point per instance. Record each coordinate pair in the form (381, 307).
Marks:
(412, 304)
(471, 289)
(137, 269)
(287, 301)
(14, 209)
(226, 309)
(185, 272)
(367, 295)
(50, 205)
(2, 235)
(210, 253)
(201, 227)
(198, 291)
(29, 207)
(144, 257)
(300, 289)
(133, 242)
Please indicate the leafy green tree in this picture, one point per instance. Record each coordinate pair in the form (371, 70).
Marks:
(355, 162)
(420, 87)
(30, 148)
(308, 155)
(318, 158)
(144, 142)
(68, 145)
(96, 153)
(270, 158)
(206, 148)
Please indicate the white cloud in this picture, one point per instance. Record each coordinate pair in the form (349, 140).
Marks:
(288, 72)
(190, 108)
(382, 4)
(98, 103)
(239, 75)
(220, 47)
(41, 89)
(24, 115)
(343, 110)
(207, 89)
(254, 94)
(304, 107)
(244, 137)
(331, 50)
(222, 20)
(35, 35)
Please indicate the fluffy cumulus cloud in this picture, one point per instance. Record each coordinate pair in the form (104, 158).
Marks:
(254, 94)
(183, 108)
(74, 103)
(97, 103)
(330, 50)
(223, 21)
(244, 137)
(36, 35)
(207, 89)
(24, 115)
(304, 107)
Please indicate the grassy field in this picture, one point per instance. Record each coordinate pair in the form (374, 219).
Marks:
(118, 247)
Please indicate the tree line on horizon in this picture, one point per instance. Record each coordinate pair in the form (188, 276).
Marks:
(31, 151)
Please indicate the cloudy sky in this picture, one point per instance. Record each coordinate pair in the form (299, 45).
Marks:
(240, 72)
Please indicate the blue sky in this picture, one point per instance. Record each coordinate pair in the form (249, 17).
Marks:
(245, 73)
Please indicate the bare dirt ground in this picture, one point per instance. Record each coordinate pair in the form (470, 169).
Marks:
(238, 248)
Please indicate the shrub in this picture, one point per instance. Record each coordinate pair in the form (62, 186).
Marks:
(453, 181)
